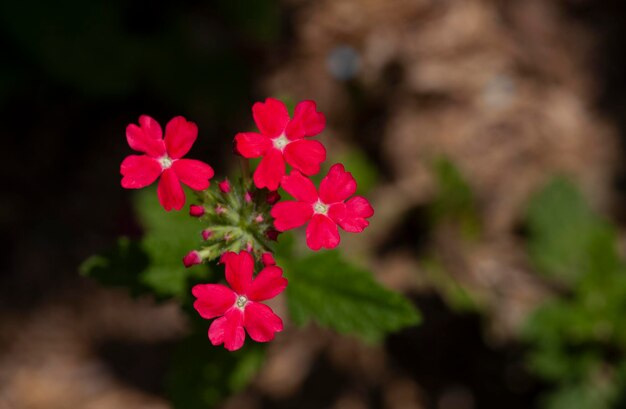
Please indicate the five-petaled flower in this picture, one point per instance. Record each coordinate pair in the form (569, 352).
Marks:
(325, 210)
(163, 158)
(283, 139)
(241, 307)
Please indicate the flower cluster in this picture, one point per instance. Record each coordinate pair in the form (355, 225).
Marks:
(242, 218)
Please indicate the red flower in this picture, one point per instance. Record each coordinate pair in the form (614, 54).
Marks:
(325, 210)
(163, 158)
(240, 307)
(282, 139)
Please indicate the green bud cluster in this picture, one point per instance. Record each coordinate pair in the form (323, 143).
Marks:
(235, 220)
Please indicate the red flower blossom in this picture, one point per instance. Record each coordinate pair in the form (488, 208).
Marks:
(283, 139)
(240, 307)
(163, 158)
(325, 210)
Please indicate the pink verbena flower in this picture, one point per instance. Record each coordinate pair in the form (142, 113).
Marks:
(323, 211)
(283, 139)
(163, 158)
(241, 307)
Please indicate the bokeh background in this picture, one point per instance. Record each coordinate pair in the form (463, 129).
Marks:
(457, 112)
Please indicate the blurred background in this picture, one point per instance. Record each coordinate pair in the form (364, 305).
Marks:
(488, 134)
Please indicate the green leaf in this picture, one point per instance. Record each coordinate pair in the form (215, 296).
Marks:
(456, 296)
(338, 295)
(455, 200)
(119, 266)
(566, 239)
(168, 236)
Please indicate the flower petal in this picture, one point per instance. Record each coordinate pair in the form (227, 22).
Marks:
(213, 299)
(193, 173)
(170, 192)
(180, 135)
(271, 117)
(300, 187)
(252, 144)
(307, 121)
(289, 214)
(338, 185)
(139, 171)
(228, 330)
(270, 170)
(357, 210)
(322, 232)
(337, 211)
(267, 284)
(151, 128)
(147, 137)
(239, 269)
(305, 155)
(261, 322)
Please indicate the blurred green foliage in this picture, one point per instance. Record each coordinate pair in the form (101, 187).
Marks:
(577, 338)
(457, 297)
(569, 241)
(454, 201)
(119, 267)
(454, 206)
(201, 375)
(155, 263)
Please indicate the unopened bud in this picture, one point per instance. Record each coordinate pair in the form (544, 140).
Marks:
(224, 186)
(219, 209)
(206, 234)
(268, 259)
(259, 218)
(192, 258)
(249, 247)
(272, 234)
(196, 211)
(247, 197)
(272, 197)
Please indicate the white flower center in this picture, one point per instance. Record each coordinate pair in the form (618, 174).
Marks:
(166, 162)
(320, 208)
(241, 302)
(280, 142)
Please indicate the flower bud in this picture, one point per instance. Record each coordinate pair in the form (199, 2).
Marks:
(192, 258)
(272, 234)
(272, 197)
(258, 218)
(196, 211)
(219, 209)
(248, 197)
(249, 247)
(268, 259)
(224, 186)
(206, 234)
